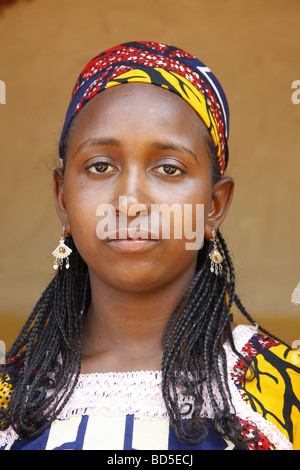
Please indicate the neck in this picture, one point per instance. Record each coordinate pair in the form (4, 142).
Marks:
(124, 330)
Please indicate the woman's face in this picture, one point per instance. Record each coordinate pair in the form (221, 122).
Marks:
(137, 144)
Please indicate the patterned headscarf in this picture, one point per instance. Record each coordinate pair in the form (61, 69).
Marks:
(162, 65)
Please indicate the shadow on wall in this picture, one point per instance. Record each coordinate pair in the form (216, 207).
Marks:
(8, 3)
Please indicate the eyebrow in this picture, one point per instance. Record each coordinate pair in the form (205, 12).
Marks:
(98, 141)
(175, 147)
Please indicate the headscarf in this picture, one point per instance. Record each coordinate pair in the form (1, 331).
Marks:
(164, 66)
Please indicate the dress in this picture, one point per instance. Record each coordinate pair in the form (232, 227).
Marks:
(126, 411)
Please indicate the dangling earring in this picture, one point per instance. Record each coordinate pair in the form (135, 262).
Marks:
(215, 256)
(61, 252)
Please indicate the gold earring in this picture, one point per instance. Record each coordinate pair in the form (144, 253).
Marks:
(61, 253)
(215, 256)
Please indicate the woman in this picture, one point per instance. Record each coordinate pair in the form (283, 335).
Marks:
(133, 345)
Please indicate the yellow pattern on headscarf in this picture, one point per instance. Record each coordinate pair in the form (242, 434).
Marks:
(184, 88)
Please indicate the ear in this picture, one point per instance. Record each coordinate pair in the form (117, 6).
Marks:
(221, 199)
(59, 198)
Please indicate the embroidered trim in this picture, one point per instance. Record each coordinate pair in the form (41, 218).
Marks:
(112, 394)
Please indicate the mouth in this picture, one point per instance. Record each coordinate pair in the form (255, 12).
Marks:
(132, 239)
(131, 245)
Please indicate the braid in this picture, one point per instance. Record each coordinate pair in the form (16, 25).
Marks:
(46, 355)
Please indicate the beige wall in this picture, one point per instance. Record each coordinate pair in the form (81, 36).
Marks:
(253, 47)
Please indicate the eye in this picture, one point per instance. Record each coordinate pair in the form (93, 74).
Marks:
(169, 170)
(100, 167)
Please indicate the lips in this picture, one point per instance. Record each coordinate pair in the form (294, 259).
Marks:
(132, 239)
(130, 245)
(133, 234)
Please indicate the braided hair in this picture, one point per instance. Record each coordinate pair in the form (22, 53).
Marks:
(44, 363)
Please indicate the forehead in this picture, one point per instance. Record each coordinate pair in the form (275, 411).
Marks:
(140, 102)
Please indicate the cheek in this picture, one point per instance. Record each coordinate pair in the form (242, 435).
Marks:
(181, 222)
(81, 205)
(196, 203)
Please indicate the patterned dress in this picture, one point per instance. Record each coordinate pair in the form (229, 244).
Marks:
(126, 411)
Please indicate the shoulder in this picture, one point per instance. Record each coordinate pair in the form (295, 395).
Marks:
(271, 384)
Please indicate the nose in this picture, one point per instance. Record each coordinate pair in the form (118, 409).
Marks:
(133, 193)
